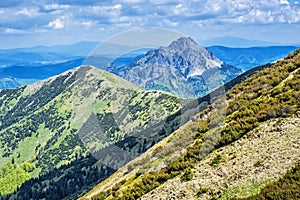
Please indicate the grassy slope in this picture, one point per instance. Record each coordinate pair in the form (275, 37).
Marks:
(272, 93)
(53, 126)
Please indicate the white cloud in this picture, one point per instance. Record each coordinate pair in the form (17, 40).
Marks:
(132, 1)
(124, 19)
(57, 23)
(105, 10)
(170, 23)
(56, 7)
(248, 11)
(30, 12)
(124, 25)
(90, 23)
(179, 9)
(284, 2)
(164, 2)
(13, 31)
(125, 14)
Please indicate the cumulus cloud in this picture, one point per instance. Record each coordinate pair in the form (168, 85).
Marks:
(13, 31)
(106, 10)
(284, 2)
(132, 1)
(164, 12)
(115, 15)
(179, 9)
(88, 23)
(30, 12)
(51, 7)
(57, 23)
(247, 11)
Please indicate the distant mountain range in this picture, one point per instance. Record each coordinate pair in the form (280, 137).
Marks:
(237, 42)
(23, 66)
(247, 58)
(19, 75)
(78, 49)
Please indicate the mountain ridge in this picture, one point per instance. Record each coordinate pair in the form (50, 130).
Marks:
(53, 58)
(235, 42)
(246, 58)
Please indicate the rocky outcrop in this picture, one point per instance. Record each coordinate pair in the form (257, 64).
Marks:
(184, 68)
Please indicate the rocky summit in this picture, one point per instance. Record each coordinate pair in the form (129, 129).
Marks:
(183, 68)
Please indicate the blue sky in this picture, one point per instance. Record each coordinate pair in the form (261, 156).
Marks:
(49, 22)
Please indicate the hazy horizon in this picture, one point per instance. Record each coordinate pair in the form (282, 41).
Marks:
(52, 22)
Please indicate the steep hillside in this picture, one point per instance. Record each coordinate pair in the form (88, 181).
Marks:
(184, 68)
(60, 128)
(232, 149)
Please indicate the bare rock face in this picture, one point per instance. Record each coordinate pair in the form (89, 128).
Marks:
(184, 68)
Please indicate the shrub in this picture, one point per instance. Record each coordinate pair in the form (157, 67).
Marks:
(187, 176)
(203, 126)
(202, 191)
(258, 163)
(216, 160)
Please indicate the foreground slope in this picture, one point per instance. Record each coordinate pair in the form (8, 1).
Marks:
(242, 168)
(58, 127)
(260, 114)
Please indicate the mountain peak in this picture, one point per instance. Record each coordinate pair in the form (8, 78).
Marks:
(180, 68)
(183, 43)
(187, 46)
